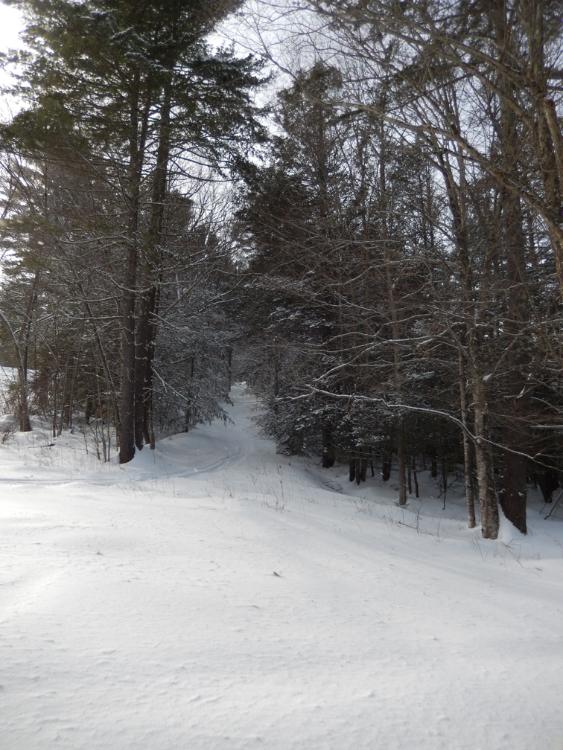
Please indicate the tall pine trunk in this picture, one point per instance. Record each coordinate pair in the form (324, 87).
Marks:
(548, 140)
(129, 294)
(467, 447)
(146, 326)
(513, 492)
(395, 324)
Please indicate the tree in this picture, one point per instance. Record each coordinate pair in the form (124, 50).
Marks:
(467, 87)
(133, 88)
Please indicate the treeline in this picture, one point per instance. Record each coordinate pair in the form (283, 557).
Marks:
(408, 251)
(390, 275)
(116, 246)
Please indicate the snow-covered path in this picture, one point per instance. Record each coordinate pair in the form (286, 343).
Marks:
(217, 595)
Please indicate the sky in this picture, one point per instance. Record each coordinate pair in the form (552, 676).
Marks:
(248, 34)
(259, 25)
(10, 25)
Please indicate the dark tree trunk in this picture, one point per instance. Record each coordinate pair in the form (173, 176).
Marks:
(444, 481)
(24, 422)
(415, 477)
(89, 408)
(513, 493)
(229, 368)
(129, 294)
(402, 464)
(146, 327)
(487, 497)
(329, 456)
(548, 481)
(512, 497)
(549, 145)
(433, 466)
(127, 395)
(467, 455)
(146, 332)
(386, 469)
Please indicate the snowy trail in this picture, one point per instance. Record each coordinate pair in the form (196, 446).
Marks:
(216, 595)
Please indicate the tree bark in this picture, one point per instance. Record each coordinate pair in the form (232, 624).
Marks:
(129, 293)
(483, 465)
(467, 447)
(548, 140)
(469, 339)
(146, 326)
(513, 493)
(328, 457)
(392, 302)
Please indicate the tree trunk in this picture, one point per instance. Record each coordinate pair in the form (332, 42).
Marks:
(434, 464)
(472, 315)
(467, 457)
(229, 368)
(548, 140)
(415, 477)
(137, 136)
(386, 468)
(402, 465)
(514, 491)
(146, 327)
(392, 302)
(127, 396)
(328, 457)
(512, 496)
(483, 466)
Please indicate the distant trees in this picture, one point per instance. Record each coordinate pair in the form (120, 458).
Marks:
(442, 265)
(343, 270)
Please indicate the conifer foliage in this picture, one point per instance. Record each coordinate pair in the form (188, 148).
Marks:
(130, 98)
(387, 275)
(408, 246)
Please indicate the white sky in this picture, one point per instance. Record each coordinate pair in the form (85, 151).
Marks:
(11, 23)
(10, 26)
(242, 31)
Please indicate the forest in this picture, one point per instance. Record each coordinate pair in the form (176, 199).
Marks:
(353, 206)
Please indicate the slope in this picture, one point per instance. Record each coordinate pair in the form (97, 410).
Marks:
(213, 594)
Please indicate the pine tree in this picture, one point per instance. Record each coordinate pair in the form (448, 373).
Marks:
(131, 87)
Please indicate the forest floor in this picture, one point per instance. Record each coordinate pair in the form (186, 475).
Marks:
(213, 594)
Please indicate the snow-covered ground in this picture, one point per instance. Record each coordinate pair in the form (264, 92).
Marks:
(213, 594)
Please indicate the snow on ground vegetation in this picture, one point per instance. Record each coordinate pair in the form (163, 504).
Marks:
(8, 377)
(213, 594)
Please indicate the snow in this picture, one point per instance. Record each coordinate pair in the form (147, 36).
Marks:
(213, 594)
(8, 376)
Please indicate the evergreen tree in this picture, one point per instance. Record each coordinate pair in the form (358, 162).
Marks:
(132, 88)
